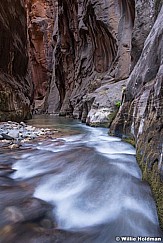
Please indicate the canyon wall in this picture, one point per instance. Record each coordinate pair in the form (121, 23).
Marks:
(98, 61)
(140, 116)
(107, 53)
(15, 84)
(100, 48)
(92, 51)
(40, 22)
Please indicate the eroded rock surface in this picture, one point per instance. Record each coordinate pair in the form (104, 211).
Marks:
(93, 43)
(41, 16)
(15, 84)
(140, 116)
(98, 44)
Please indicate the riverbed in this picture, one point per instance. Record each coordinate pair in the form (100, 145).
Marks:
(91, 182)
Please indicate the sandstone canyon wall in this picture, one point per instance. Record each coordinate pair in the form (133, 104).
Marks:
(40, 17)
(107, 53)
(15, 84)
(92, 50)
(141, 115)
(86, 58)
(97, 45)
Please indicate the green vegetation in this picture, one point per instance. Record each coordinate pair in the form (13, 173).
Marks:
(130, 141)
(153, 178)
(118, 104)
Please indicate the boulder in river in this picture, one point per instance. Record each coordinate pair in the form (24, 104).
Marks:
(31, 209)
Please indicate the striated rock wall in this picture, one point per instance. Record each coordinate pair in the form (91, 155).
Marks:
(144, 19)
(93, 43)
(100, 47)
(41, 16)
(140, 115)
(15, 84)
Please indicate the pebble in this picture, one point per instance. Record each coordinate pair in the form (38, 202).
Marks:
(14, 133)
(20, 132)
(23, 124)
(14, 146)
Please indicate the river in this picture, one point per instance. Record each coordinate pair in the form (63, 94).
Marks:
(92, 181)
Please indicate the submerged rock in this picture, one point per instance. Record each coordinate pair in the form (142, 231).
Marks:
(31, 209)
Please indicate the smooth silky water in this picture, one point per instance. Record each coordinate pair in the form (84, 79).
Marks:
(92, 180)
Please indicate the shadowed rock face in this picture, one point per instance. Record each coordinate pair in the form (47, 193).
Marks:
(97, 45)
(15, 86)
(145, 12)
(41, 16)
(140, 116)
(92, 48)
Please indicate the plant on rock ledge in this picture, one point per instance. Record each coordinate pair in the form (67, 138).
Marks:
(118, 104)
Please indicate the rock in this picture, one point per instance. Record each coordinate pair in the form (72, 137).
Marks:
(30, 209)
(46, 223)
(14, 146)
(13, 214)
(102, 104)
(5, 170)
(7, 137)
(15, 84)
(95, 54)
(13, 133)
(23, 124)
(6, 182)
(140, 116)
(40, 28)
(30, 128)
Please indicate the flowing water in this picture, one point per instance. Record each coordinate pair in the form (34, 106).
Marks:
(93, 182)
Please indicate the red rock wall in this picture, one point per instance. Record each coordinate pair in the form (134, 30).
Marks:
(15, 84)
(41, 17)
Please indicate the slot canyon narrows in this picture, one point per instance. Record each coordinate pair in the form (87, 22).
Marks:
(81, 121)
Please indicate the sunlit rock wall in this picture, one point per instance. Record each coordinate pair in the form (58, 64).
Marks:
(41, 17)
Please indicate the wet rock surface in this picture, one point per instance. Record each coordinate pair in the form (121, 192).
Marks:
(23, 217)
(140, 117)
